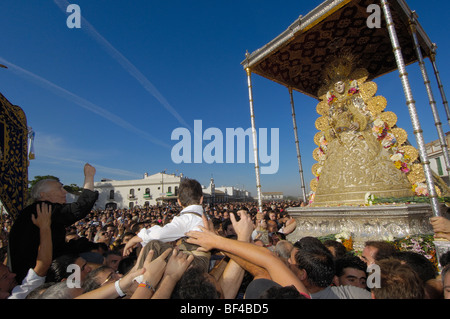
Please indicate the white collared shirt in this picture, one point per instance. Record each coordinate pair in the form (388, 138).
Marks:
(177, 228)
(29, 283)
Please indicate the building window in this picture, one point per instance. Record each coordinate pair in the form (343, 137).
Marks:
(132, 192)
(147, 191)
(169, 189)
(176, 190)
(111, 194)
(439, 166)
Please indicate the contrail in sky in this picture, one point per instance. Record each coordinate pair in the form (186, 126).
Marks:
(83, 103)
(125, 63)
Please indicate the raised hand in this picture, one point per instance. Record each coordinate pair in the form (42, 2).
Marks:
(244, 227)
(44, 216)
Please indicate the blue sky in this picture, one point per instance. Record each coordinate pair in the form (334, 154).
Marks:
(112, 92)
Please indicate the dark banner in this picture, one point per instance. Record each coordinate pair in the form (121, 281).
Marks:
(13, 157)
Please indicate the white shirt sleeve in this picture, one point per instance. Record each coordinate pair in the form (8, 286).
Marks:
(29, 283)
(172, 231)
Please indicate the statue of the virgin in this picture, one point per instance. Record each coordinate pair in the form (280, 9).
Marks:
(359, 149)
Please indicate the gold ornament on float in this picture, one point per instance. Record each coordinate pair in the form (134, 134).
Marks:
(368, 90)
(389, 117)
(416, 175)
(376, 105)
(322, 108)
(400, 135)
(411, 152)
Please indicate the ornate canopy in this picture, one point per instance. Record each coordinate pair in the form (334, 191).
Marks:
(13, 157)
(296, 57)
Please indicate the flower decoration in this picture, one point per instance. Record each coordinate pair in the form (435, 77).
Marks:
(389, 141)
(420, 189)
(321, 154)
(352, 91)
(344, 237)
(369, 199)
(380, 129)
(331, 98)
(323, 143)
(312, 195)
(421, 244)
(353, 88)
(401, 161)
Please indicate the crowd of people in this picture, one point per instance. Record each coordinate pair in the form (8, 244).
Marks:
(192, 250)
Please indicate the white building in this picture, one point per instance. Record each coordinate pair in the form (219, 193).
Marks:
(150, 190)
(156, 188)
(225, 194)
(436, 157)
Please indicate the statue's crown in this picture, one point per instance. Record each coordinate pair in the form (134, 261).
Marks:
(338, 69)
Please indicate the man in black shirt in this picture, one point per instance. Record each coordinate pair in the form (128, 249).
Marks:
(24, 235)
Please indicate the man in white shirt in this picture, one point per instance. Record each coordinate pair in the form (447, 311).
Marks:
(190, 198)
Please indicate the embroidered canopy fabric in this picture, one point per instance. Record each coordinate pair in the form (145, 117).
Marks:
(13, 157)
(296, 57)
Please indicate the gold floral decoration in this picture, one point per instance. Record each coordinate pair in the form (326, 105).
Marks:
(360, 75)
(377, 104)
(315, 169)
(317, 154)
(400, 135)
(313, 184)
(367, 90)
(323, 108)
(317, 138)
(416, 175)
(411, 152)
(322, 123)
(389, 117)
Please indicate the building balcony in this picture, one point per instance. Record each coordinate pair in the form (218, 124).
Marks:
(147, 196)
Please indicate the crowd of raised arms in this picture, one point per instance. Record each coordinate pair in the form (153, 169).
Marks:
(192, 250)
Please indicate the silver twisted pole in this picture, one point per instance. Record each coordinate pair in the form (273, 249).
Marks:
(426, 79)
(299, 158)
(255, 144)
(411, 108)
(438, 79)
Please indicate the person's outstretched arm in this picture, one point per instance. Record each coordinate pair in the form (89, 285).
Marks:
(260, 256)
(45, 252)
(89, 173)
(70, 213)
(176, 266)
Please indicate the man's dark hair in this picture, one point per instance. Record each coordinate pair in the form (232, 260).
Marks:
(317, 261)
(194, 284)
(385, 249)
(398, 281)
(445, 259)
(90, 283)
(242, 208)
(309, 241)
(189, 192)
(339, 248)
(349, 261)
(421, 265)
(58, 269)
(126, 264)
